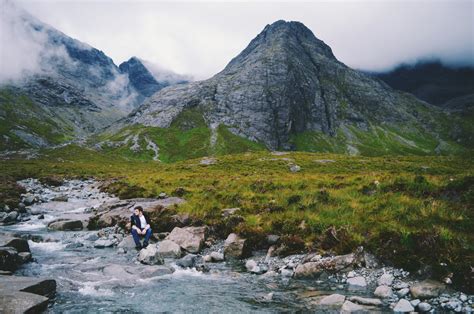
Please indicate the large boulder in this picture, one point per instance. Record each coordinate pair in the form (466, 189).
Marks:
(403, 306)
(39, 286)
(127, 243)
(383, 292)
(20, 245)
(9, 259)
(66, 225)
(188, 261)
(150, 256)
(236, 247)
(190, 239)
(22, 302)
(168, 248)
(426, 289)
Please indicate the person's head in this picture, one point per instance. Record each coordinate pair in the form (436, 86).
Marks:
(138, 210)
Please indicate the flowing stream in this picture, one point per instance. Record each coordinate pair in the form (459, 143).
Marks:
(71, 259)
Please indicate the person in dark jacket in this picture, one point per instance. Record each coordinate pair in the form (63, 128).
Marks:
(140, 227)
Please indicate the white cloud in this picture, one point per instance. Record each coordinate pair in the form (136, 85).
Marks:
(200, 38)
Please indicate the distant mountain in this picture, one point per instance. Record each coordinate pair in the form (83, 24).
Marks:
(431, 81)
(286, 90)
(70, 92)
(144, 81)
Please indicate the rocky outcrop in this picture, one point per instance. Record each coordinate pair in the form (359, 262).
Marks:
(25, 294)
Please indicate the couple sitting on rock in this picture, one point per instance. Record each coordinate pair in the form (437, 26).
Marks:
(140, 227)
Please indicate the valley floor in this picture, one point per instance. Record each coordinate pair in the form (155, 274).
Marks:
(412, 212)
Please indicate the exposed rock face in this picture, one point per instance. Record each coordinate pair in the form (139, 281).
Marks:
(140, 78)
(286, 82)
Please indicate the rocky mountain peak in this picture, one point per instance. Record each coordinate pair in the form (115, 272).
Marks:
(140, 77)
(291, 39)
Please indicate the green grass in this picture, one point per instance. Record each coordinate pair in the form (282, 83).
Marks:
(412, 210)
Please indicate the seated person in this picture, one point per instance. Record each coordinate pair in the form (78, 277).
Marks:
(140, 227)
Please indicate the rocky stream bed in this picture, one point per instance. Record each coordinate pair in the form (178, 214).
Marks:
(51, 260)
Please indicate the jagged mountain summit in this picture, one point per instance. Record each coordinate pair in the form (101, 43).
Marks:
(287, 90)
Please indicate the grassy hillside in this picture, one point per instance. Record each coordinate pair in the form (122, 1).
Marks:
(24, 124)
(411, 211)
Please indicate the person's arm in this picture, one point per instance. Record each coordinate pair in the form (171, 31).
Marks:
(147, 218)
(132, 221)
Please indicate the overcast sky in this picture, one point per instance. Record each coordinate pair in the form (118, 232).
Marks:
(200, 38)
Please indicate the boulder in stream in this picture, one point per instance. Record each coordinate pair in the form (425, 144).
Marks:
(235, 246)
(168, 248)
(190, 239)
(150, 256)
(66, 225)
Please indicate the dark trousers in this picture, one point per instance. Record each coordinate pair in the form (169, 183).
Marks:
(136, 237)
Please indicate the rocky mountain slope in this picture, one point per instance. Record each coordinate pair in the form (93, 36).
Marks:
(72, 91)
(287, 90)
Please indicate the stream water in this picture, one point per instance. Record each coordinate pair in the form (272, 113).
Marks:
(70, 258)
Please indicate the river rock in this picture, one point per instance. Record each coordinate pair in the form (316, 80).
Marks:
(349, 307)
(188, 261)
(39, 286)
(190, 239)
(168, 248)
(357, 283)
(313, 265)
(25, 257)
(22, 302)
(127, 243)
(385, 280)
(150, 256)
(11, 217)
(333, 300)
(424, 307)
(366, 301)
(235, 247)
(21, 245)
(103, 243)
(426, 289)
(152, 271)
(9, 259)
(383, 292)
(217, 257)
(403, 306)
(403, 292)
(66, 225)
(29, 199)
